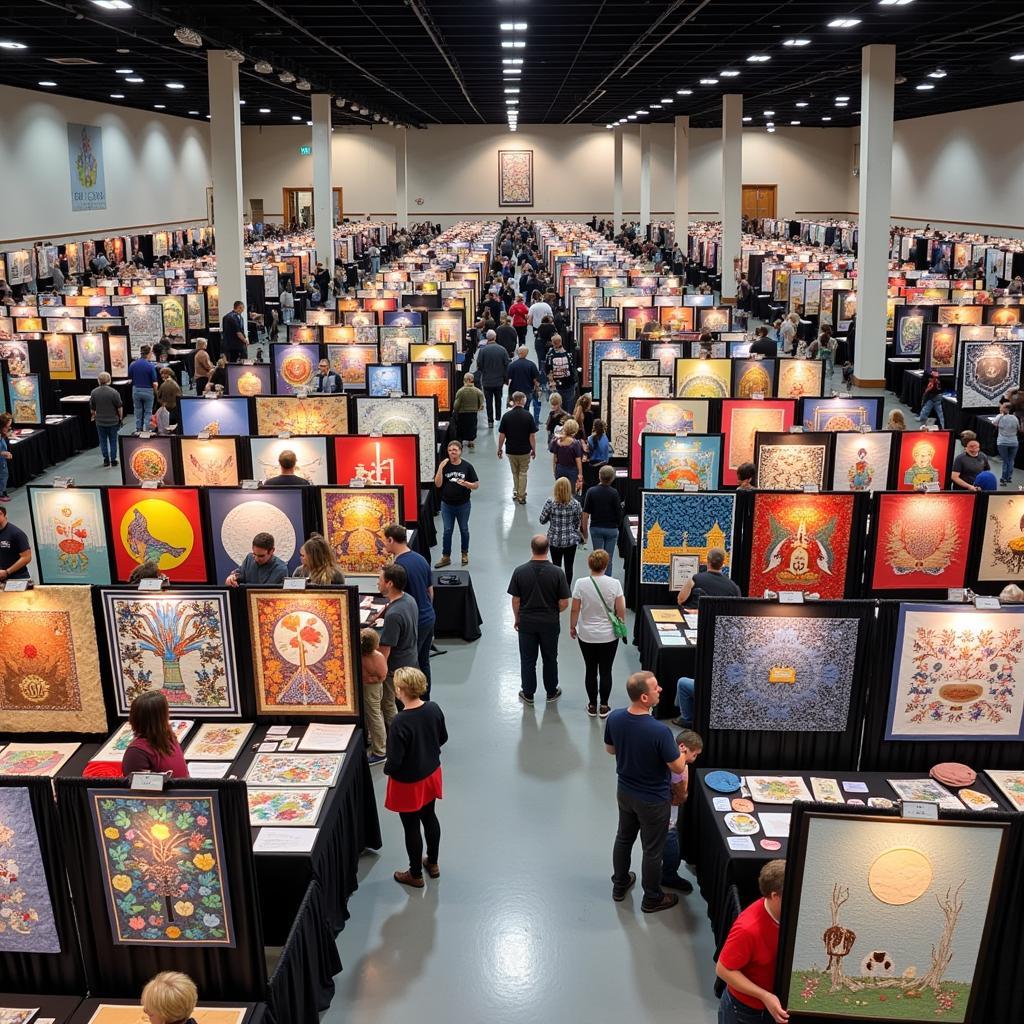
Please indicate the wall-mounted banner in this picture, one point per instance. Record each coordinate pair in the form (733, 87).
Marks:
(85, 156)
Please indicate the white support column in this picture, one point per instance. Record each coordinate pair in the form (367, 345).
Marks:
(617, 187)
(323, 196)
(402, 176)
(732, 191)
(681, 206)
(645, 179)
(226, 160)
(877, 86)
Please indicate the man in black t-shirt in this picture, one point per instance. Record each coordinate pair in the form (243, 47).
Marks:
(540, 594)
(15, 552)
(561, 372)
(709, 583)
(518, 433)
(763, 345)
(457, 480)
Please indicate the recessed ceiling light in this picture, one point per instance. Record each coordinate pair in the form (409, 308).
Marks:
(1016, 56)
(513, 26)
(125, 71)
(241, 103)
(748, 118)
(264, 110)
(937, 73)
(826, 119)
(655, 106)
(770, 130)
(7, 44)
(924, 87)
(643, 112)
(802, 103)
(47, 85)
(728, 74)
(121, 49)
(263, 67)
(770, 124)
(295, 117)
(513, 44)
(159, 106)
(768, 113)
(512, 90)
(631, 117)
(286, 77)
(894, 3)
(113, 5)
(684, 92)
(510, 72)
(175, 85)
(134, 79)
(796, 42)
(511, 103)
(842, 104)
(843, 22)
(758, 58)
(512, 60)
(794, 122)
(117, 95)
(842, 99)
(194, 113)
(668, 101)
(709, 81)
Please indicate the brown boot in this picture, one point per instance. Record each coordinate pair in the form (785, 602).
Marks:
(408, 878)
(432, 869)
(445, 560)
(465, 558)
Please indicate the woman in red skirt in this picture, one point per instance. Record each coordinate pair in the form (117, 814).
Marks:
(413, 768)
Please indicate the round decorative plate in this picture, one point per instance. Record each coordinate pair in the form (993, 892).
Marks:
(148, 464)
(722, 782)
(297, 369)
(952, 773)
(743, 806)
(770, 844)
(742, 824)
(249, 384)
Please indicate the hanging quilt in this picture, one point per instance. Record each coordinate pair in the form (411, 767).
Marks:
(681, 463)
(703, 378)
(789, 463)
(799, 378)
(923, 458)
(988, 370)
(1002, 546)
(741, 421)
(71, 543)
(210, 462)
(403, 416)
(314, 414)
(861, 461)
(238, 515)
(680, 523)
(662, 416)
(355, 519)
(385, 461)
(615, 407)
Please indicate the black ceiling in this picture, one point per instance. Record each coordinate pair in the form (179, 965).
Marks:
(426, 62)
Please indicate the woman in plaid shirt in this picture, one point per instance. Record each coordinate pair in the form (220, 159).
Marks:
(563, 514)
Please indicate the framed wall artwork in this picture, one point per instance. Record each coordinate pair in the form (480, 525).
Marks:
(382, 380)
(887, 919)
(60, 356)
(354, 520)
(163, 867)
(673, 463)
(753, 377)
(988, 369)
(402, 416)
(941, 343)
(832, 414)
(958, 674)
(615, 407)
(162, 526)
(147, 458)
(923, 458)
(314, 414)
(783, 673)
(741, 421)
(963, 315)
(909, 329)
(679, 523)
(799, 378)
(610, 349)
(714, 318)
(787, 462)
(445, 327)
(91, 356)
(248, 381)
(431, 353)
(662, 416)
(218, 417)
(703, 378)
(303, 334)
(433, 379)
(801, 542)
(1002, 545)
(295, 367)
(209, 462)
(302, 652)
(27, 923)
(180, 642)
(70, 534)
(861, 461)
(390, 460)
(350, 363)
(515, 177)
(49, 662)
(26, 403)
(921, 540)
(395, 343)
(310, 454)
(1003, 316)
(236, 516)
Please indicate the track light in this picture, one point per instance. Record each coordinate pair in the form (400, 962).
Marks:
(262, 67)
(188, 37)
(234, 56)
(286, 77)
(303, 85)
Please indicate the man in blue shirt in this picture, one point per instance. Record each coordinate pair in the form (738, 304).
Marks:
(419, 587)
(142, 373)
(524, 376)
(646, 755)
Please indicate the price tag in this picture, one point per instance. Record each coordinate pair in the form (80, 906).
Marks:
(689, 487)
(956, 594)
(151, 583)
(250, 485)
(796, 430)
(682, 433)
(809, 488)
(210, 394)
(294, 583)
(248, 362)
(865, 428)
(926, 810)
(203, 435)
(146, 434)
(395, 394)
(13, 585)
(357, 481)
(932, 486)
(63, 481)
(152, 782)
(376, 433)
(791, 597)
(150, 485)
(986, 602)
(285, 434)
(758, 396)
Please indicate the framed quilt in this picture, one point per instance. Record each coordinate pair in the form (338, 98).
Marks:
(27, 923)
(958, 674)
(390, 460)
(589, 335)
(801, 542)
(680, 523)
(619, 351)
(637, 317)
(615, 407)
(218, 741)
(703, 378)
(49, 662)
(350, 363)
(433, 379)
(91, 357)
(887, 918)
(402, 416)
(303, 334)
(147, 458)
(608, 368)
(515, 177)
(180, 642)
(1010, 784)
(310, 454)
(249, 381)
(209, 462)
(753, 377)
(26, 403)
(909, 329)
(988, 369)
(294, 769)
(163, 867)
(667, 352)
(354, 520)
(921, 540)
(672, 463)
(431, 353)
(282, 807)
(861, 461)
(445, 327)
(236, 516)
(395, 343)
(799, 378)
(677, 318)
(302, 653)
(742, 420)
(35, 759)
(314, 414)
(218, 417)
(1002, 545)
(70, 534)
(963, 315)
(662, 416)
(787, 462)
(941, 343)
(1003, 316)
(295, 367)
(832, 414)
(158, 526)
(60, 356)
(714, 318)
(923, 458)
(384, 379)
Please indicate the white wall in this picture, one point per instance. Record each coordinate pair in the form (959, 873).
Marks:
(156, 168)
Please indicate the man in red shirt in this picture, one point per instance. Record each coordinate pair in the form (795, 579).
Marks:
(747, 961)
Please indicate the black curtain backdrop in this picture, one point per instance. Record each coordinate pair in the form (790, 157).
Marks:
(122, 970)
(880, 754)
(56, 973)
(764, 750)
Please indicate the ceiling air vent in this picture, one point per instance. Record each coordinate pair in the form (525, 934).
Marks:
(71, 61)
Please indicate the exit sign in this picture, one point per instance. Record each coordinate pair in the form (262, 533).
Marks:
(305, 150)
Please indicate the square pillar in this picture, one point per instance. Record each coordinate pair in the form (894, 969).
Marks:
(323, 196)
(732, 192)
(681, 206)
(617, 186)
(645, 179)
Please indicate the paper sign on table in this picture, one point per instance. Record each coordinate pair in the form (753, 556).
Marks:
(775, 824)
(855, 787)
(666, 615)
(739, 842)
(267, 748)
(208, 769)
(278, 730)
(721, 803)
(285, 840)
(321, 736)
(672, 640)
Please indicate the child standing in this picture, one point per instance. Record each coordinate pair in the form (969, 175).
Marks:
(690, 747)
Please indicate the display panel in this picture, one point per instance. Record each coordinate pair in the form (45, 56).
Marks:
(923, 459)
(832, 414)
(433, 379)
(987, 371)
(60, 356)
(383, 381)
(218, 417)
(682, 463)
(249, 381)
(753, 377)
(236, 516)
(209, 462)
(619, 351)
(403, 416)
(26, 404)
(387, 461)
(314, 414)
(1002, 547)
(940, 347)
(354, 520)
(70, 536)
(787, 462)
(615, 407)
(310, 454)
(799, 378)
(147, 458)
(295, 367)
(861, 461)
(662, 416)
(677, 523)
(703, 378)
(741, 422)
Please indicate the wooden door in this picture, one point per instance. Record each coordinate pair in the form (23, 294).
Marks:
(297, 205)
(759, 201)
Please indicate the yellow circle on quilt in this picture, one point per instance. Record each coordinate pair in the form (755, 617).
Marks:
(157, 530)
(900, 876)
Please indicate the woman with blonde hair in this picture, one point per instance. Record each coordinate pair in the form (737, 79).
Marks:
(319, 565)
(563, 514)
(556, 416)
(169, 998)
(567, 455)
(583, 414)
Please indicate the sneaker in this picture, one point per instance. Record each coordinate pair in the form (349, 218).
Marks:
(667, 902)
(408, 878)
(465, 558)
(445, 560)
(472, 445)
(592, 710)
(677, 883)
(113, 462)
(5, 497)
(682, 723)
(375, 759)
(522, 500)
(106, 462)
(434, 870)
(525, 699)
(605, 711)
(619, 891)
(552, 697)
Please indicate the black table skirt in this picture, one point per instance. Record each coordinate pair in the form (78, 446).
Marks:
(630, 555)
(426, 530)
(458, 614)
(31, 457)
(667, 663)
(912, 389)
(895, 371)
(60, 1008)
(66, 439)
(78, 406)
(957, 419)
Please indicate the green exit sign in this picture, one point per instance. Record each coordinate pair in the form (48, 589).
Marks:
(305, 150)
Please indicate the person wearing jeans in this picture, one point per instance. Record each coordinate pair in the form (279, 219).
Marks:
(602, 514)
(684, 701)
(1007, 442)
(593, 597)
(457, 480)
(932, 400)
(142, 373)
(6, 421)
